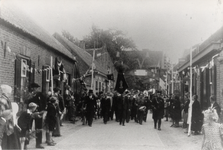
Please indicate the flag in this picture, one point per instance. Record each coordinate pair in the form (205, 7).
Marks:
(121, 84)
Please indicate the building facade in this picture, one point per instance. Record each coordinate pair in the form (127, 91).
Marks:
(207, 70)
(27, 54)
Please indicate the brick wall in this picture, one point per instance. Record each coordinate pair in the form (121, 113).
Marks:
(220, 80)
(39, 54)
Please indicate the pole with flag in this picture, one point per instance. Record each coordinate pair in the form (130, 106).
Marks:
(191, 101)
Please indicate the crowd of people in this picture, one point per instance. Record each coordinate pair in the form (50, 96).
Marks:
(47, 113)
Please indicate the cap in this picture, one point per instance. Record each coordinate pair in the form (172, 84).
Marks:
(6, 89)
(34, 85)
(158, 91)
(52, 99)
(56, 89)
(90, 91)
(32, 105)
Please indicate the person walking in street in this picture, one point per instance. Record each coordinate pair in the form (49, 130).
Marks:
(124, 108)
(148, 103)
(90, 107)
(212, 131)
(128, 114)
(134, 108)
(166, 108)
(140, 108)
(105, 108)
(197, 117)
(119, 106)
(39, 99)
(158, 110)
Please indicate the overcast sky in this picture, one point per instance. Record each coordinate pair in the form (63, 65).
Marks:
(167, 25)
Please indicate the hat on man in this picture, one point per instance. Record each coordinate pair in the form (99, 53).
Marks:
(32, 105)
(34, 85)
(56, 89)
(90, 91)
(6, 89)
(158, 92)
(52, 99)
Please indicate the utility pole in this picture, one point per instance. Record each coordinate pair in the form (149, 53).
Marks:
(92, 73)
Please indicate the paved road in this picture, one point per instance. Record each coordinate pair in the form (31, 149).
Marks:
(132, 136)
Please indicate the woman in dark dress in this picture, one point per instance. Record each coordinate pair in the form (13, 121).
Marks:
(196, 121)
(176, 111)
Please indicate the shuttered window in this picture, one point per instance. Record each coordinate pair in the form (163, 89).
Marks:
(24, 75)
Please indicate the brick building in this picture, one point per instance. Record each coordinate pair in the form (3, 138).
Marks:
(102, 56)
(25, 54)
(84, 63)
(207, 66)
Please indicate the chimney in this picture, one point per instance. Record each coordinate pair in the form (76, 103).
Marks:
(82, 44)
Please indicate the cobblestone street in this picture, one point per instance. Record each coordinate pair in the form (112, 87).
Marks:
(132, 136)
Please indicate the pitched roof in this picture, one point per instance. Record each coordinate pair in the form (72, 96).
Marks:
(82, 53)
(11, 14)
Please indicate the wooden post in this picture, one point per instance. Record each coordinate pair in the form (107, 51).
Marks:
(51, 73)
(191, 101)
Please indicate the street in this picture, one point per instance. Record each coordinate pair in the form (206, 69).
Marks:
(132, 136)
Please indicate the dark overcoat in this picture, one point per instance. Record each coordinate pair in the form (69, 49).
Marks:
(158, 108)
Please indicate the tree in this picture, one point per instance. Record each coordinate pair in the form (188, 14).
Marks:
(115, 41)
(70, 37)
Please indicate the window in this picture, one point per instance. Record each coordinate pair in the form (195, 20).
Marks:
(48, 74)
(96, 85)
(24, 68)
(99, 86)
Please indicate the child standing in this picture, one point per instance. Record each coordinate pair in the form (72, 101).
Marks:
(212, 131)
(24, 122)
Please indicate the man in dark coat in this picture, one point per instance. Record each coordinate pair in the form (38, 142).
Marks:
(140, 108)
(130, 100)
(105, 108)
(158, 109)
(196, 119)
(176, 111)
(91, 104)
(115, 105)
(39, 99)
(124, 108)
(119, 106)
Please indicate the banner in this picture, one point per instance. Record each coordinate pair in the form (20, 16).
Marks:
(110, 77)
(121, 84)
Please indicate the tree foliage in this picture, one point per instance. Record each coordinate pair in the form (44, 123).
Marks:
(115, 41)
(70, 37)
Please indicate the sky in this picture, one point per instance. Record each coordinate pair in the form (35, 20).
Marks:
(171, 26)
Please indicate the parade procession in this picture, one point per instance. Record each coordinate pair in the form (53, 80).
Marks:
(105, 75)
